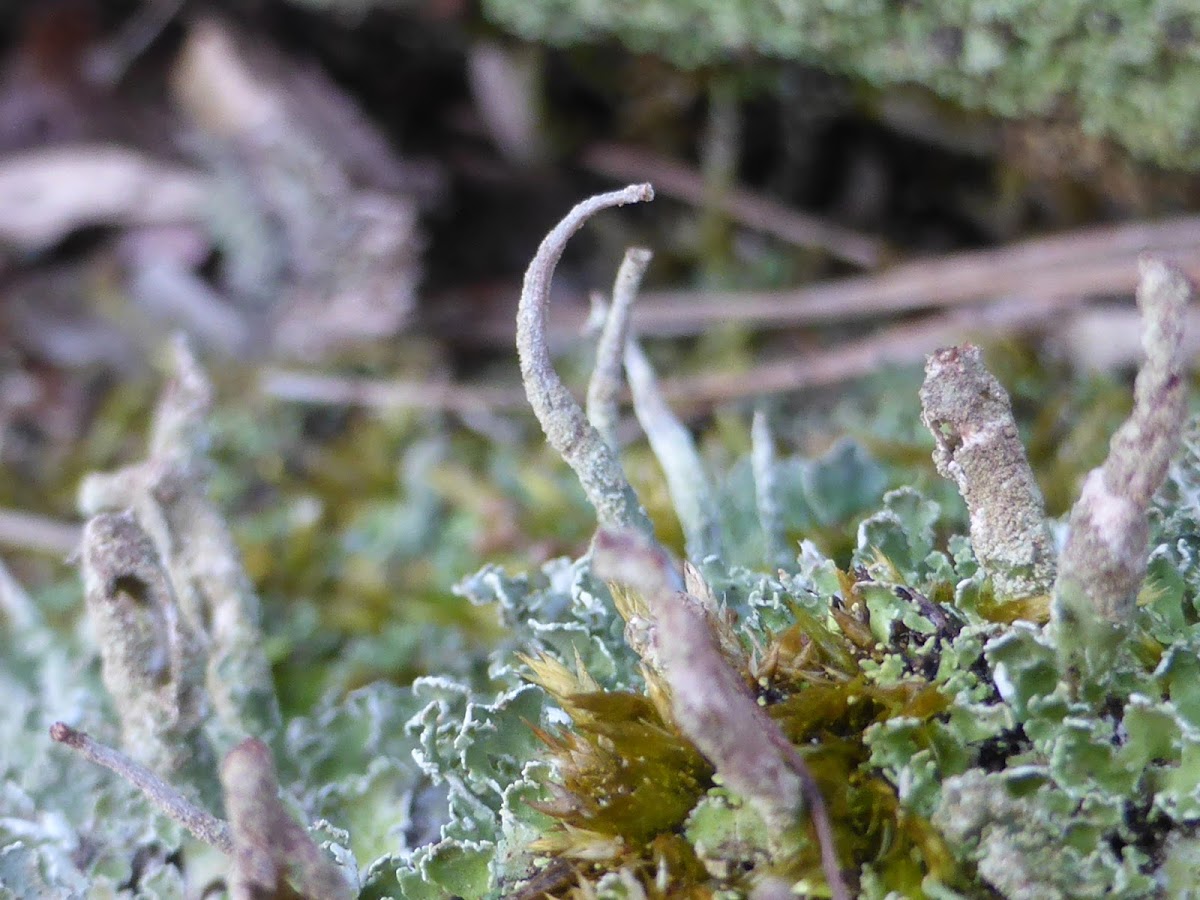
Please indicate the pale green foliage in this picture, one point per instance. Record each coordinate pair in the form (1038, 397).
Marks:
(67, 829)
(957, 748)
(425, 789)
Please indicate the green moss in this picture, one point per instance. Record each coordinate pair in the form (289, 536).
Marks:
(1125, 68)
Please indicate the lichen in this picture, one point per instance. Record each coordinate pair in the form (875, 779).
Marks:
(1104, 64)
(977, 445)
(873, 720)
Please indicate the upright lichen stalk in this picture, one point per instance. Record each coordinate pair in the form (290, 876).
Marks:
(152, 659)
(167, 493)
(176, 622)
(1104, 560)
(604, 388)
(977, 446)
(692, 494)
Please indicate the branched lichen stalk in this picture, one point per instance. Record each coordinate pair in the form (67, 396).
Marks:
(978, 447)
(710, 702)
(170, 802)
(692, 493)
(268, 844)
(151, 661)
(604, 389)
(1104, 560)
(168, 492)
(567, 428)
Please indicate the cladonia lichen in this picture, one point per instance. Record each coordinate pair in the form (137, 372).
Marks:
(897, 716)
(977, 445)
(1104, 560)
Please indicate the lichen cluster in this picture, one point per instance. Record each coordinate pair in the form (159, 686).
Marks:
(912, 713)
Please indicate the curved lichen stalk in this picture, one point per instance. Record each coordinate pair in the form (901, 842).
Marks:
(566, 426)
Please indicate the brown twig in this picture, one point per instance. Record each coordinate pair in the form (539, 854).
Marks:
(1044, 270)
(170, 802)
(267, 841)
(710, 702)
(673, 179)
(898, 345)
(1080, 264)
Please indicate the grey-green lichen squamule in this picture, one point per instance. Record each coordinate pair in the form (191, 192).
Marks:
(955, 703)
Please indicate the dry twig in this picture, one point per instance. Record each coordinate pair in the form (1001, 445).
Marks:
(676, 180)
(29, 531)
(1076, 264)
(267, 841)
(375, 393)
(1043, 272)
(174, 805)
(897, 345)
(710, 702)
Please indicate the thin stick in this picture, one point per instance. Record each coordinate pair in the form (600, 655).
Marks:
(109, 63)
(710, 702)
(676, 180)
(898, 345)
(336, 390)
(172, 804)
(41, 534)
(1102, 263)
(1082, 263)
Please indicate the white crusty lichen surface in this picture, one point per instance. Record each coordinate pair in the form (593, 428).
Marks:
(1104, 560)
(977, 445)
